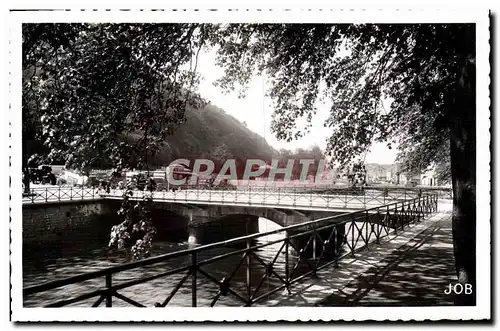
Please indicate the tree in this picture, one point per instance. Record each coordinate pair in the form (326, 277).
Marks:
(92, 84)
(105, 81)
(88, 87)
(220, 154)
(431, 152)
(426, 70)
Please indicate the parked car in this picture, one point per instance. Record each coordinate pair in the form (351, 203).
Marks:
(42, 175)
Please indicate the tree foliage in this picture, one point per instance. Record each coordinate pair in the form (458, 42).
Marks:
(312, 153)
(91, 84)
(87, 86)
(114, 95)
(430, 152)
(425, 71)
(356, 67)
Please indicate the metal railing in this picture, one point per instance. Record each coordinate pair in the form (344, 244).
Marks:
(310, 198)
(292, 198)
(61, 194)
(306, 196)
(330, 239)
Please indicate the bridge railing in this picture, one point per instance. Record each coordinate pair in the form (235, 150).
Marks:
(328, 197)
(353, 198)
(301, 251)
(61, 193)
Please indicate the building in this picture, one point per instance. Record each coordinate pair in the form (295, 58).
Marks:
(381, 173)
(409, 180)
(430, 178)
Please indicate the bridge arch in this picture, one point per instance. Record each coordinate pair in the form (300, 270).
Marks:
(170, 225)
(223, 228)
(205, 224)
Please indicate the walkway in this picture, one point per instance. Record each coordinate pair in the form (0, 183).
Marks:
(339, 201)
(412, 268)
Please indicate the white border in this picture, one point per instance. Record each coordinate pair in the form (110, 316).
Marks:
(482, 310)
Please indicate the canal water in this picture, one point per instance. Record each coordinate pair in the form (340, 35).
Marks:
(90, 253)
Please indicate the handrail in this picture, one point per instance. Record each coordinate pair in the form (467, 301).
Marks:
(65, 193)
(426, 201)
(264, 187)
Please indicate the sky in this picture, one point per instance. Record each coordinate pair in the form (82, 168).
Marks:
(256, 110)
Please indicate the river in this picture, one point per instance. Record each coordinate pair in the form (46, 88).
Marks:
(62, 261)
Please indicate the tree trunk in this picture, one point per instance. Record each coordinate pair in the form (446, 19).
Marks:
(463, 169)
(26, 173)
(26, 180)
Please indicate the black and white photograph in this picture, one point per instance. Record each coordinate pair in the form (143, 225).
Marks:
(250, 165)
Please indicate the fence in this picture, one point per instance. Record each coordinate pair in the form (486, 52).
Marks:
(295, 198)
(331, 239)
(362, 197)
(61, 194)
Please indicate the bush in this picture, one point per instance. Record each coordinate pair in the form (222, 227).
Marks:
(161, 186)
(92, 182)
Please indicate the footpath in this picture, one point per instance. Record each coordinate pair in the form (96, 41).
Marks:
(410, 268)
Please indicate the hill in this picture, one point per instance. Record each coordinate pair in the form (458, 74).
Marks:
(208, 132)
(212, 133)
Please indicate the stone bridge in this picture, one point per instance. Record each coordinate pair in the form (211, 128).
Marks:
(211, 223)
(207, 216)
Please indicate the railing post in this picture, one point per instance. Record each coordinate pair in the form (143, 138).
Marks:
(353, 226)
(336, 246)
(314, 246)
(426, 206)
(364, 197)
(46, 194)
(367, 220)
(194, 266)
(109, 296)
(249, 274)
(287, 275)
(59, 194)
(396, 218)
(419, 209)
(71, 192)
(377, 233)
(403, 216)
(389, 219)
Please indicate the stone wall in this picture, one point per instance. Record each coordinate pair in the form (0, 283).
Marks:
(80, 222)
(49, 223)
